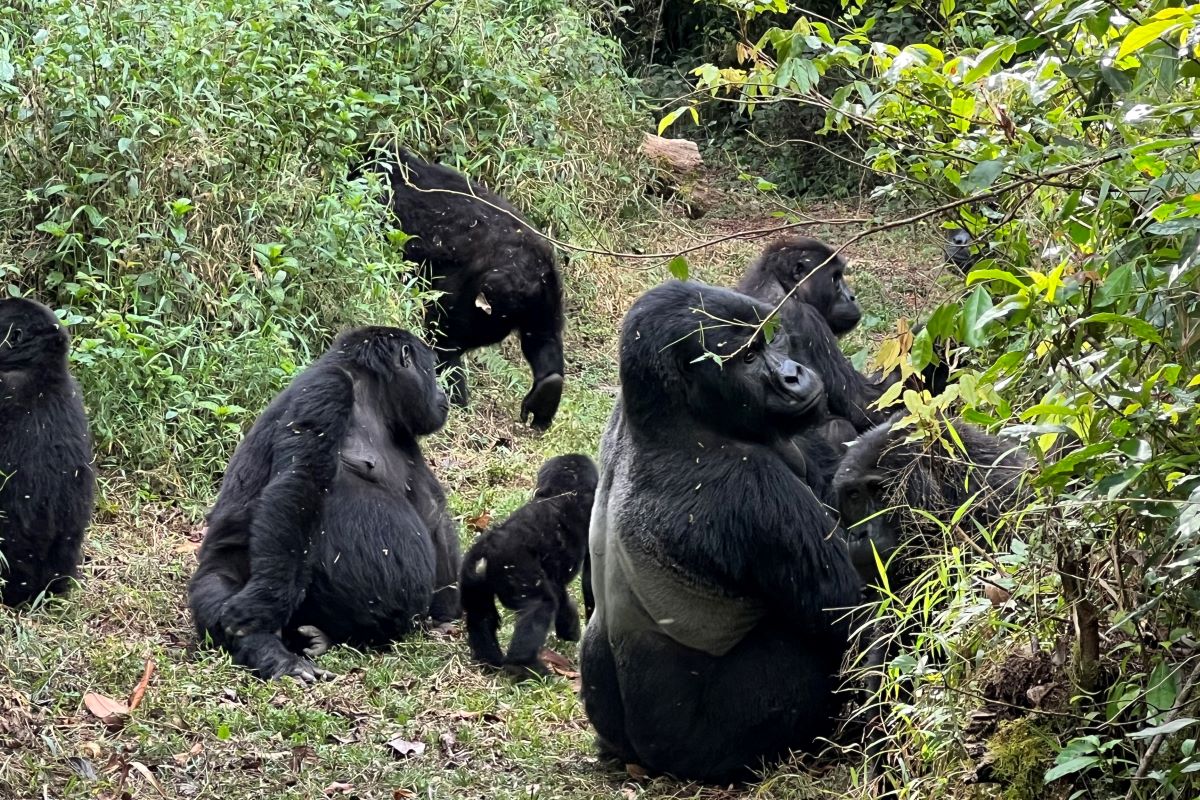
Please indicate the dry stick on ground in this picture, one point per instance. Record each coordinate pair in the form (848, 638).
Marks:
(139, 691)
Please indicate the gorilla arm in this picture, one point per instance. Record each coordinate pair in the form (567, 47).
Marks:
(304, 455)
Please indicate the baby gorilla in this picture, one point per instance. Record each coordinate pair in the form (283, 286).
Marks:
(527, 562)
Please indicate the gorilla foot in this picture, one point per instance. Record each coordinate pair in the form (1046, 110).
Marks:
(542, 401)
(567, 628)
(526, 670)
(269, 658)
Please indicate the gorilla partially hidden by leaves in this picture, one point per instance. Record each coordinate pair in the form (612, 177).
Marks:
(330, 526)
(46, 478)
(718, 575)
(495, 272)
(820, 308)
(884, 482)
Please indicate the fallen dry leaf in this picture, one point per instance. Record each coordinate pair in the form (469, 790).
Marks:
(148, 775)
(447, 740)
(338, 787)
(183, 758)
(111, 712)
(402, 794)
(406, 749)
(479, 523)
(637, 772)
(139, 691)
(558, 664)
(629, 792)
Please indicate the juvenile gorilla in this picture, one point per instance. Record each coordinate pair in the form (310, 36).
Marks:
(883, 473)
(527, 563)
(46, 478)
(716, 640)
(821, 309)
(330, 526)
(495, 273)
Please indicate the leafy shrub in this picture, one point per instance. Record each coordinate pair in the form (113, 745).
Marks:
(173, 179)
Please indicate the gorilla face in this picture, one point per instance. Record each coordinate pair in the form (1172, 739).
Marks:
(869, 528)
(30, 336)
(818, 275)
(405, 369)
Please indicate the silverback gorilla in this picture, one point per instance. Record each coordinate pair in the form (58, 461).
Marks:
(330, 526)
(716, 642)
(46, 478)
(495, 273)
(527, 563)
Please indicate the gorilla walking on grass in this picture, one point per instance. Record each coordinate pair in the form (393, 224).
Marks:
(46, 478)
(330, 526)
(717, 639)
(495, 272)
(528, 563)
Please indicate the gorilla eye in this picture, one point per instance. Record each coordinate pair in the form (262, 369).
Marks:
(749, 356)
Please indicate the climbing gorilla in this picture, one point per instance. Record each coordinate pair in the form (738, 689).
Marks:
(817, 312)
(330, 526)
(496, 274)
(882, 479)
(527, 563)
(718, 576)
(46, 478)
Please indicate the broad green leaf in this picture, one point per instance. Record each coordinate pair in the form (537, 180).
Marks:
(1173, 726)
(1143, 35)
(983, 175)
(978, 304)
(988, 60)
(678, 267)
(1077, 764)
(921, 352)
(977, 275)
(1138, 327)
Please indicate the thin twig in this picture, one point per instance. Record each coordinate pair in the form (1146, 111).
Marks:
(413, 20)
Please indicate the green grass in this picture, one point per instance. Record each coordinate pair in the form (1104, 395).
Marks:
(208, 729)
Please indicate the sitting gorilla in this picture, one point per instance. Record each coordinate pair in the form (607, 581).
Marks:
(46, 478)
(495, 272)
(330, 526)
(958, 250)
(817, 312)
(883, 473)
(527, 563)
(716, 640)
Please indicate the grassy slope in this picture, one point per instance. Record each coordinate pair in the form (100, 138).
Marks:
(206, 729)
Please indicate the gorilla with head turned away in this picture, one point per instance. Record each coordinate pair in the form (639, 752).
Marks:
(718, 575)
(495, 273)
(46, 477)
(330, 526)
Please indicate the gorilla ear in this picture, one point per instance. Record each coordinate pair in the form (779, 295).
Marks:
(405, 356)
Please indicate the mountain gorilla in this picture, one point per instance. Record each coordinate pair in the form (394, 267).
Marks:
(527, 562)
(716, 642)
(330, 526)
(46, 478)
(821, 308)
(814, 270)
(882, 478)
(495, 272)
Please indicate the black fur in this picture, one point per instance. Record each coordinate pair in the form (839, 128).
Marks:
(495, 273)
(527, 563)
(821, 309)
(46, 479)
(818, 275)
(714, 645)
(330, 526)
(883, 473)
(959, 250)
